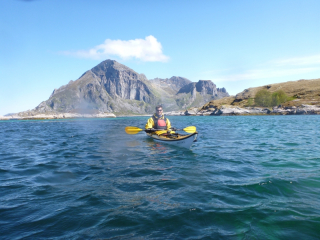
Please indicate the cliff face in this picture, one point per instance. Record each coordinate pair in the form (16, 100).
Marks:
(108, 87)
(121, 81)
(174, 83)
(204, 87)
(197, 94)
(111, 87)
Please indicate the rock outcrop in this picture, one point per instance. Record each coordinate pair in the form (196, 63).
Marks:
(229, 110)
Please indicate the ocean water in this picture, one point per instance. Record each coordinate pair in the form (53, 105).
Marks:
(247, 177)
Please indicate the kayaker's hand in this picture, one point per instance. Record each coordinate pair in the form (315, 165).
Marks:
(149, 130)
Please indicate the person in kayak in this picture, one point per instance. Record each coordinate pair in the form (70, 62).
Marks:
(159, 121)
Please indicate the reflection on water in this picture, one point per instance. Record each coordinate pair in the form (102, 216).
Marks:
(157, 148)
(133, 143)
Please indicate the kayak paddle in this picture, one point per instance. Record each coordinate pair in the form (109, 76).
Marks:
(135, 130)
(190, 129)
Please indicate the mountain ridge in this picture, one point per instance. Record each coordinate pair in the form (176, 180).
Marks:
(111, 87)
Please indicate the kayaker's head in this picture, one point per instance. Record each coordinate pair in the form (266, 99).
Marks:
(159, 110)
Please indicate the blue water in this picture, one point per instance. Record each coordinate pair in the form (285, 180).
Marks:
(247, 177)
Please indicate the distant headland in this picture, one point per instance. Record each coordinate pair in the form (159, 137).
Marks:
(287, 98)
(112, 89)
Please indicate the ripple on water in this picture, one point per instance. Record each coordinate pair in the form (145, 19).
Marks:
(252, 177)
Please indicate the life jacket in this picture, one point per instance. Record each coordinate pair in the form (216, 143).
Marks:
(159, 123)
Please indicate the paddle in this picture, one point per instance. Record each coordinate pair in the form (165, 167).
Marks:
(135, 130)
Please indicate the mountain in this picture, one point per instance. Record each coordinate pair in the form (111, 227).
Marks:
(108, 87)
(111, 87)
(178, 93)
(166, 90)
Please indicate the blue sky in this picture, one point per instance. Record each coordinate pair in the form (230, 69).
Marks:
(237, 44)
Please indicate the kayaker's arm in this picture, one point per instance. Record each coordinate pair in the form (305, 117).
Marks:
(150, 124)
(169, 128)
(168, 124)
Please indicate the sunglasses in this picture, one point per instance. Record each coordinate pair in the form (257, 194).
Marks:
(159, 110)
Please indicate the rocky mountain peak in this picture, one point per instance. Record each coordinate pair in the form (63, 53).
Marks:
(205, 87)
(108, 64)
(111, 69)
(113, 87)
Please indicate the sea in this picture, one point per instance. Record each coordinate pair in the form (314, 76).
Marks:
(246, 177)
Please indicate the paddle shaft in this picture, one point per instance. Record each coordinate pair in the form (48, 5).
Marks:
(135, 130)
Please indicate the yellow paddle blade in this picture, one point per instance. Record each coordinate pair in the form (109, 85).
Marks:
(132, 130)
(190, 129)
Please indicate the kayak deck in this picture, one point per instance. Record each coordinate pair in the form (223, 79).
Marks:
(182, 140)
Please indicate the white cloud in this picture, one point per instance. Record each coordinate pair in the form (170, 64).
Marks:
(257, 74)
(298, 61)
(148, 50)
(294, 67)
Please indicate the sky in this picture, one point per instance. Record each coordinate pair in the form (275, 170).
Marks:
(237, 44)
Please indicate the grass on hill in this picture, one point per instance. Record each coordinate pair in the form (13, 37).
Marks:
(288, 94)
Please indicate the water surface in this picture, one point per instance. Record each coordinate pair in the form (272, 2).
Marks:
(247, 177)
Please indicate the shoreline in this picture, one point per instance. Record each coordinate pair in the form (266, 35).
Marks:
(229, 110)
(56, 116)
(225, 110)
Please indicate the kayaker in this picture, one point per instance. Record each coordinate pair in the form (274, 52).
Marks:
(159, 121)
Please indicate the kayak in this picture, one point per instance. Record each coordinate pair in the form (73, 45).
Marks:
(181, 140)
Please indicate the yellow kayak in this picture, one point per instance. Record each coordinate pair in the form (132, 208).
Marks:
(181, 140)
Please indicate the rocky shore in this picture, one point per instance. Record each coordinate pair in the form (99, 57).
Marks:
(225, 110)
(57, 116)
(229, 110)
